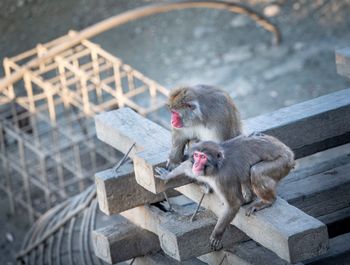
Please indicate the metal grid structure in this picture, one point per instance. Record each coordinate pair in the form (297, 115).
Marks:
(48, 145)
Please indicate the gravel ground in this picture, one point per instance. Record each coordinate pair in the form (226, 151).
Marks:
(195, 46)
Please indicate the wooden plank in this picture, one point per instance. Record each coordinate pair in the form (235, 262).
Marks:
(310, 126)
(246, 253)
(180, 238)
(338, 253)
(287, 231)
(342, 60)
(251, 253)
(123, 241)
(337, 222)
(117, 192)
(144, 165)
(319, 162)
(336, 105)
(321, 193)
(123, 127)
(161, 259)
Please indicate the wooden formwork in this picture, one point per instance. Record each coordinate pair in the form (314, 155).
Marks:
(48, 141)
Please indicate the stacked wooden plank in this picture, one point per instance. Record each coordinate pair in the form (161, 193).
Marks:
(308, 224)
(285, 233)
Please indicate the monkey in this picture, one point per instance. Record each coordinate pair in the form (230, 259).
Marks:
(200, 113)
(259, 161)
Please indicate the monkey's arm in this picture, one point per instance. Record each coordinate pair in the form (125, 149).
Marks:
(184, 168)
(224, 220)
(177, 150)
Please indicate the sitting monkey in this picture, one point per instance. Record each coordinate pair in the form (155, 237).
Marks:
(258, 161)
(202, 113)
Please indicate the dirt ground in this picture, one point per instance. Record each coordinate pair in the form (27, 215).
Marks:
(194, 46)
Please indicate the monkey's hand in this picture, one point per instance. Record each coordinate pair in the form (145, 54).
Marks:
(215, 241)
(170, 165)
(162, 174)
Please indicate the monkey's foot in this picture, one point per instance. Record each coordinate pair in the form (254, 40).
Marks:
(162, 173)
(257, 206)
(250, 210)
(215, 242)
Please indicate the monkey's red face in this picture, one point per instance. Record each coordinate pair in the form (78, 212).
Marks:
(176, 120)
(200, 159)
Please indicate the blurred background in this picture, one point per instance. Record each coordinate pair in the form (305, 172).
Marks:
(193, 46)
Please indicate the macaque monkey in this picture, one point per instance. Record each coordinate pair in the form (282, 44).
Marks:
(258, 161)
(200, 113)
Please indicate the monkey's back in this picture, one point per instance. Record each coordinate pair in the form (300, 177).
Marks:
(219, 110)
(245, 151)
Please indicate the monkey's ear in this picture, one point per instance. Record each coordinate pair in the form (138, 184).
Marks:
(220, 159)
(220, 155)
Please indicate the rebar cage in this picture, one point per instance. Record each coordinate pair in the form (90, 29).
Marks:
(48, 143)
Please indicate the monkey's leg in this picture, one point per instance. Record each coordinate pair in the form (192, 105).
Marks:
(264, 184)
(257, 206)
(224, 220)
(247, 192)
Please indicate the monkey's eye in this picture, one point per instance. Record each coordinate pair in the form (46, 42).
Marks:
(202, 156)
(191, 106)
(195, 155)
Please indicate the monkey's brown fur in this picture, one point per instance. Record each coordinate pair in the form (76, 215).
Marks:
(207, 113)
(257, 161)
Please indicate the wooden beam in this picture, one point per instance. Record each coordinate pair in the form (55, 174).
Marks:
(342, 60)
(290, 233)
(337, 222)
(123, 127)
(250, 253)
(161, 259)
(246, 253)
(338, 253)
(180, 238)
(308, 127)
(119, 191)
(123, 241)
(326, 120)
(319, 194)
